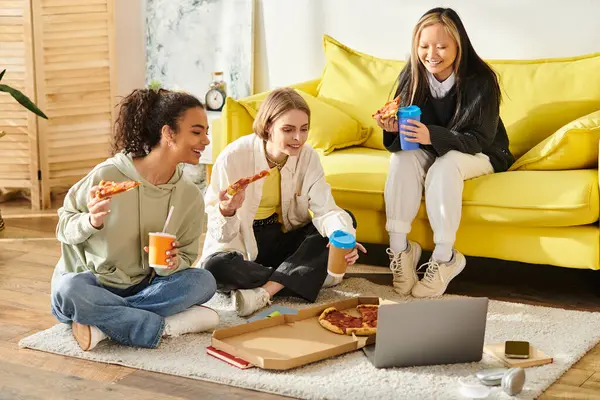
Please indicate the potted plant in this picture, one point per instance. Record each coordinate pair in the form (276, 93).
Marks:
(25, 102)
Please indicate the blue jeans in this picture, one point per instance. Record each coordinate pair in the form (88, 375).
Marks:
(134, 316)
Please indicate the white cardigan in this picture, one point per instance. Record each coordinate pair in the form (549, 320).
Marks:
(303, 188)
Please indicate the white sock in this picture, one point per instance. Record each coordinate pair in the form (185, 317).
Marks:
(96, 336)
(194, 319)
(442, 253)
(332, 281)
(398, 242)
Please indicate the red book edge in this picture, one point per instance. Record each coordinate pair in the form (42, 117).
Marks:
(228, 358)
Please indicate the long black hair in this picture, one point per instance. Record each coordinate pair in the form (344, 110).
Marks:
(142, 115)
(470, 71)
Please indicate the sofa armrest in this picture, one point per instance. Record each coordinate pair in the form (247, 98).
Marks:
(235, 121)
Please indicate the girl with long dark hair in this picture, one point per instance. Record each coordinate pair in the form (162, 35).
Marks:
(460, 136)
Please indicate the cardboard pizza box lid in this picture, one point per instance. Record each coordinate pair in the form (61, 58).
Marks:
(291, 340)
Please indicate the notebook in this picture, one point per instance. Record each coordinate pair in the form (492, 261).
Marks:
(228, 358)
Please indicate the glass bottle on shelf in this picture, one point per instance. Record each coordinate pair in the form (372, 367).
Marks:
(218, 82)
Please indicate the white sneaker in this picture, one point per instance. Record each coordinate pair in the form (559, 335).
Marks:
(87, 336)
(332, 281)
(194, 319)
(438, 276)
(248, 301)
(404, 267)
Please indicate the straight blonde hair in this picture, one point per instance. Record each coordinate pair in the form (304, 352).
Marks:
(417, 69)
(277, 103)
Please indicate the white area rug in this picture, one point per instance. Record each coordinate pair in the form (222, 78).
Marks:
(565, 335)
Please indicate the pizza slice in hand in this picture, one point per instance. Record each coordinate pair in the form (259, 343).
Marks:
(243, 182)
(389, 109)
(108, 189)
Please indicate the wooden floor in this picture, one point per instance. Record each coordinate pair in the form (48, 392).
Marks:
(29, 251)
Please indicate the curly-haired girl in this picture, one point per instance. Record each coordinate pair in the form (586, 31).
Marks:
(103, 285)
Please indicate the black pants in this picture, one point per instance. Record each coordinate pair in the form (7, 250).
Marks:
(296, 259)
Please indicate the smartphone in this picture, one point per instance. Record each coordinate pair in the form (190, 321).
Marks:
(516, 349)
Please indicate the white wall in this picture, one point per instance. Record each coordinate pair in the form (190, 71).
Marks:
(130, 33)
(288, 33)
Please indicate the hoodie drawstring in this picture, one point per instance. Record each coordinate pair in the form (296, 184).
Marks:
(141, 226)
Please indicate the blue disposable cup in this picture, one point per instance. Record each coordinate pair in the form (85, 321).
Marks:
(340, 244)
(404, 114)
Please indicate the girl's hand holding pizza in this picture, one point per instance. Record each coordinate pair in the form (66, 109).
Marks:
(98, 208)
(228, 205)
(387, 124)
(233, 197)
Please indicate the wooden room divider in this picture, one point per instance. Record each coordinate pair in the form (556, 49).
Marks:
(61, 54)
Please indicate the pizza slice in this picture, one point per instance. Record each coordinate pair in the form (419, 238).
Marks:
(339, 322)
(343, 323)
(108, 189)
(389, 109)
(369, 313)
(243, 182)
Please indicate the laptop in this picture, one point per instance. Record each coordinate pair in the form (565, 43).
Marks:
(429, 332)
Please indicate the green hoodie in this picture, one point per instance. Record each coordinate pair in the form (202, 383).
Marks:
(115, 253)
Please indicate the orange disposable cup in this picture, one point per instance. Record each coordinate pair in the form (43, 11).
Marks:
(160, 243)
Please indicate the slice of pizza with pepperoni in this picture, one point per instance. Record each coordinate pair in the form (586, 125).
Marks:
(389, 109)
(243, 182)
(108, 189)
(343, 323)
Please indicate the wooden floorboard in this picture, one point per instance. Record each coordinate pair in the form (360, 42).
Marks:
(19, 381)
(191, 388)
(29, 252)
(84, 369)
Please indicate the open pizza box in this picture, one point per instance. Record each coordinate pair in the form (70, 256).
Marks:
(290, 340)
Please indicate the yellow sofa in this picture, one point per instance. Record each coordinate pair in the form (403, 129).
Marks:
(545, 210)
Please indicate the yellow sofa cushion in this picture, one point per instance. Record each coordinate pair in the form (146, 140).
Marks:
(522, 198)
(358, 84)
(330, 128)
(539, 96)
(574, 146)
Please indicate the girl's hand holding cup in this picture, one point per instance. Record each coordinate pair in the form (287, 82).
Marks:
(170, 254)
(352, 257)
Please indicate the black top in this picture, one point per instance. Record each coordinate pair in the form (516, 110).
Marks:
(479, 132)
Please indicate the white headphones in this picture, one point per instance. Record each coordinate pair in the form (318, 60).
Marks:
(510, 380)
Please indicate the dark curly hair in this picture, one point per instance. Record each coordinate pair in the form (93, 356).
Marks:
(142, 115)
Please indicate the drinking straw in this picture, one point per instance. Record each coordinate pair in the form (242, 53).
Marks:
(168, 219)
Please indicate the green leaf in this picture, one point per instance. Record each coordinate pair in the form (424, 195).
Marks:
(23, 100)
(2, 74)
(154, 85)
